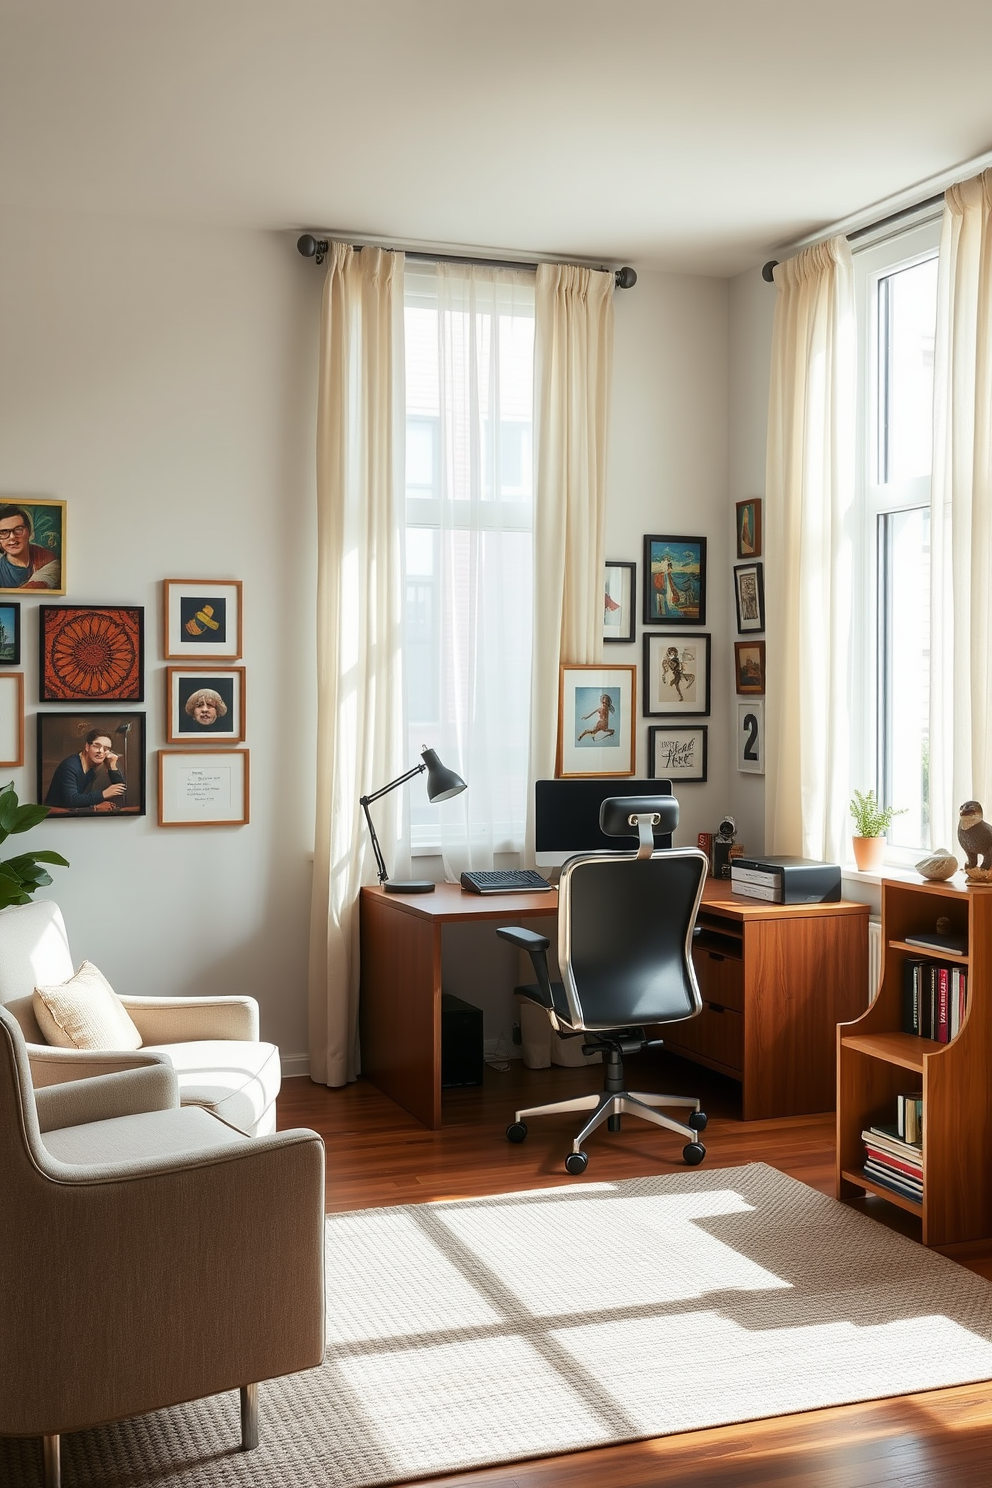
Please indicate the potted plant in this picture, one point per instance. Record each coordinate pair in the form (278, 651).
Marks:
(871, 822)
(21, 877)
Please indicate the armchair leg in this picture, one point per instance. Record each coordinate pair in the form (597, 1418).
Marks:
(52, 1457)
(249, 1418)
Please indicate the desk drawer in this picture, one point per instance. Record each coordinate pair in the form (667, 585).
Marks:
(717, 1034)
(720, 978)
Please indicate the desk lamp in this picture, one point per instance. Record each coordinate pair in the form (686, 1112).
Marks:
(442, 784)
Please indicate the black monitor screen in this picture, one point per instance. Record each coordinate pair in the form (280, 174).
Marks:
(566, 816)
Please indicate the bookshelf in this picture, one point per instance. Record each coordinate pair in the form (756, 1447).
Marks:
(877, 1061)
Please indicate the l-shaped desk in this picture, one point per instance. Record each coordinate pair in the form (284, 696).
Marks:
(775, 979)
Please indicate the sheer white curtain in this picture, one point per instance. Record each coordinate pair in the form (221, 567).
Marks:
(810, 545)
(573, 376)
(359, 598)
(961, 512)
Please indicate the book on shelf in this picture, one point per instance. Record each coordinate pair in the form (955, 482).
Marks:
(943, 1004)
(897, 1164)
(948, 945)
(933, 999)
(886, 1139)
(909, 1117)
(885, 1178)
(912, 981)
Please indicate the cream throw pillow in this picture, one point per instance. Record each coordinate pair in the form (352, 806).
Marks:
(84, 1013)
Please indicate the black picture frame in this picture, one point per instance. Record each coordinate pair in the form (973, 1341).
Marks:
(91, 653)
(626, 584)
(62, 735)
(10, 633)
(674, 580)
(660, 683)
(678, 752)
(749, 596)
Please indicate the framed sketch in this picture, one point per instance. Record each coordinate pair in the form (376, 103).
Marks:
(202, 619)
(92, 764)
(674, 580)
(751, 737)
(749, 528)
(205, 703)
(92, 653)
(676, 753)
(12, 718)
(749, 591)
(676, 674)
(32, 546)
(596, 720)
(618, 604)
(10, 634)
(749, 666)
(209, 789)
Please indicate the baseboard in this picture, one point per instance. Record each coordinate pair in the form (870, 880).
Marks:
(294, 1064)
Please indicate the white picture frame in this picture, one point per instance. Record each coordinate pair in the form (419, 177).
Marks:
(203, 788)
(751, 737)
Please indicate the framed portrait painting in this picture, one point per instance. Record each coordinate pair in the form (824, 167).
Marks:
(676, 674)
(674, 580)
(32, 546)
(92, 653)
(204, 704)
(209, 789)
(749, 666)
(92, 764)
(618, 604)
(11, 719)
(10, 634)
(676, 753)
(749, 528)
(749, 592)
(751, 737)
(202, 619)
(596, 720)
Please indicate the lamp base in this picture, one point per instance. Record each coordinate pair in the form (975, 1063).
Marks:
(412, 886)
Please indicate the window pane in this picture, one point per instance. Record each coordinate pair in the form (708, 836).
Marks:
(907, 309)
(904, 588)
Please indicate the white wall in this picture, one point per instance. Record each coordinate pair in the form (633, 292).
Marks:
(160, 380)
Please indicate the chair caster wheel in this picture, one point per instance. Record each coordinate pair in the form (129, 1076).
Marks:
(693, 1152)
(576, 1163)
(516, 1131)
(698, 1120)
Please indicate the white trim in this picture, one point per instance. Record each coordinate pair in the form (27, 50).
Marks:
(294, 1065)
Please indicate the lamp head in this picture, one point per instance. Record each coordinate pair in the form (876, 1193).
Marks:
(442, 783)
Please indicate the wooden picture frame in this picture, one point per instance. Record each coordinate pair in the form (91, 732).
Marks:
(751, 737)
(676, 675)
(619, 589)
(749, 594)
(674, 580)
(11, 719)
(62, 741)
(34, 560)
(749, 666)
(91, 653)
(595, 720)
(677, 752)
(749, 528)
(202, 619)
(219, 719)
(10, 633)
(206, 788)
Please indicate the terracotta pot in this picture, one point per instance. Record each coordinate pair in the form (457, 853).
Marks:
(869, 853)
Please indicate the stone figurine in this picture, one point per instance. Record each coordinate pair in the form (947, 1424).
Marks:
(975, 836)
(938, 865)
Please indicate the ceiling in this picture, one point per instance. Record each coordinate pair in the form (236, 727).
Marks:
(689, 135)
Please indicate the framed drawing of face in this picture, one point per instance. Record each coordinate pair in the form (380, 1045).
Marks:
(205, 703)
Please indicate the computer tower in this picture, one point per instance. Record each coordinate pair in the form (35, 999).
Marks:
(461, 1042)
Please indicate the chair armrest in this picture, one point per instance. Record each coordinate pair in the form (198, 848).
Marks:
(524, 940)
(153, 1088)
(54, 1066)
(180, 1020)
(536, 947)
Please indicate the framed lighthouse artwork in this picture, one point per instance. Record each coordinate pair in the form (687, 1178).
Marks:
(674, 580)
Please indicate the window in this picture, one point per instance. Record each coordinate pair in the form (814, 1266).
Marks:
(897, 303)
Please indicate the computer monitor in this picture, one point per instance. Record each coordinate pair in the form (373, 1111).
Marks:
(566, 816)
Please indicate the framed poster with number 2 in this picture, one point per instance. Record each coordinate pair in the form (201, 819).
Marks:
(751, 737)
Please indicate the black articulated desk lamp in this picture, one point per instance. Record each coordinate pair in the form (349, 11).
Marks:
(442, 784)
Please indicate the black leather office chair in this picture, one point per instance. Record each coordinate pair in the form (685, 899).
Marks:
(625, 924)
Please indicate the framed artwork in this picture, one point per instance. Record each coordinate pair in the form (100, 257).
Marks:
(749, 591)
(205, 703)
(676, 675)
(202, 619)
(749, 528)
(676, 753)
(209, 789)
(751, 737)
(10, 634)
(618, 606)
(32, 546)
(596, 720)
(749, 666)
(674, 581)
(12, 718)
(92, 764)
(92, 653)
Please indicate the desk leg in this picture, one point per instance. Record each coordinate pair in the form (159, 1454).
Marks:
(400, 1009)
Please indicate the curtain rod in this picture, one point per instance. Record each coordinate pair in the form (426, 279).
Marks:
(316, 248)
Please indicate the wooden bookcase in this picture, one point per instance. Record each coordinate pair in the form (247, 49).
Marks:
(876, 1061)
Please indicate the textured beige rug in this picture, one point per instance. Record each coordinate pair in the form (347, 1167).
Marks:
(488, 1330)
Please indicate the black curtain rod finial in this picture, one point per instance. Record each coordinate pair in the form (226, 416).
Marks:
(312, 247)
(768, 270)
(625, 278)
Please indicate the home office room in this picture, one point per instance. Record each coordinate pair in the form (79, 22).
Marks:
(495, 897)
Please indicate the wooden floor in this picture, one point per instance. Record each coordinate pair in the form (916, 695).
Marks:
(378, 1155)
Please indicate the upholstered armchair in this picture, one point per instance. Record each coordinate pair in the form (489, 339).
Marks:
(211, 1042)
(107, 1311)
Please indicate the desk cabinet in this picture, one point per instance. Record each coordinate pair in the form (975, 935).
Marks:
(775, 980)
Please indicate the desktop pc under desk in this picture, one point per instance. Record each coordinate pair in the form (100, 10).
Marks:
(775, 979)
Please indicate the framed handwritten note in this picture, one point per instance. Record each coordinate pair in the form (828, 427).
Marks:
(204, 789)
(677, 753)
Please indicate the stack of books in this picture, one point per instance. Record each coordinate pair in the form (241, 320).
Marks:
(934, 999)
(893, 1162)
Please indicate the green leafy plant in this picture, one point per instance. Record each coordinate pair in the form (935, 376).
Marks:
(23, 876)
(871, 819)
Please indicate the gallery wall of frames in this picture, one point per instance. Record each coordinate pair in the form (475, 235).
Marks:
(92, 749)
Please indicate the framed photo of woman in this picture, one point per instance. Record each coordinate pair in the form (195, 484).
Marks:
(596, 720)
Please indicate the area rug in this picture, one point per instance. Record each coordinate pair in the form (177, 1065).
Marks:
(484, 1331)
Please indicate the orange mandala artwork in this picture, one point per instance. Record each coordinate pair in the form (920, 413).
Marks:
(90, 653)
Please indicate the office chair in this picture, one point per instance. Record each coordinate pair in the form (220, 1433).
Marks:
(625, 926)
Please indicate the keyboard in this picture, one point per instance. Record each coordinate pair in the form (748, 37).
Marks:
(504, 881)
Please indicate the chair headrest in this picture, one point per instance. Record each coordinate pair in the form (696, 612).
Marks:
(616, 811)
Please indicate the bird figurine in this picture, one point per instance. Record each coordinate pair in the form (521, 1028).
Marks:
(975, 836)
(938, 865)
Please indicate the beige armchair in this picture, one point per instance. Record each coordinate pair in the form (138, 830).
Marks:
(211, 1042)
(106, 1312)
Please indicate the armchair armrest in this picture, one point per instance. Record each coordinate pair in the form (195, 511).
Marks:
(180, 1020)
(53, 1066)
(152, 1088)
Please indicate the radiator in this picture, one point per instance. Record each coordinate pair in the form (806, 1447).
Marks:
(874, 957)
